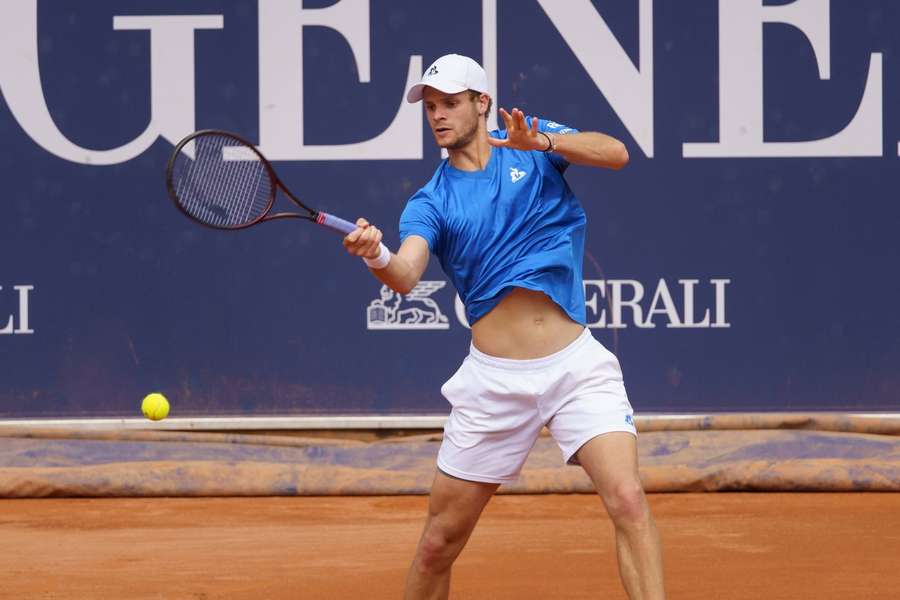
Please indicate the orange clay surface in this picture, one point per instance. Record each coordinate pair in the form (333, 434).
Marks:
(717, 546)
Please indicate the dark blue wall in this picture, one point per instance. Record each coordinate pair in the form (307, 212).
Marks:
(129, 297)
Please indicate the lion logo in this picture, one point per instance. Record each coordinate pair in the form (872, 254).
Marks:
(415, 310)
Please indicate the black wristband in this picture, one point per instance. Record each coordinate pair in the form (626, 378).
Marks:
(549, 142)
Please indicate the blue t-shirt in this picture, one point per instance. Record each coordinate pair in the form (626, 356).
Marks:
(514, 224)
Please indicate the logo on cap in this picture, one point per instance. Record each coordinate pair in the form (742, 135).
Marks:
(432, 71)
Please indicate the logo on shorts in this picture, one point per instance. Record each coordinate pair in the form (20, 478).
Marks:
(630, 420)
(415, 310)
(516, 174)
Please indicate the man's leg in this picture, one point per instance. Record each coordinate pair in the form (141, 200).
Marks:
(454, 506)
(611, 462)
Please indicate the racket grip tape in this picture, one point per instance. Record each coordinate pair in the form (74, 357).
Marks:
(335, 223)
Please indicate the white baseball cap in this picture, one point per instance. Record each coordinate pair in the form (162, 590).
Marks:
(451, 74)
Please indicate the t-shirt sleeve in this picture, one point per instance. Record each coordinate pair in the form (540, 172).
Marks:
(549, 126)
(421, 217)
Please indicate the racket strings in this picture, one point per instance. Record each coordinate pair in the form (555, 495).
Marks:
(221, 182)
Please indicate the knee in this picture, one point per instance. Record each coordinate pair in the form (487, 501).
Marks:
(626, 504)
(436, 551)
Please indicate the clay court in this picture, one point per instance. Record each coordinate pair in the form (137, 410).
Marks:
(724, 546)
(155, 514)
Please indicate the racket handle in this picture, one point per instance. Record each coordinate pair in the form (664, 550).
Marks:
(335, 223)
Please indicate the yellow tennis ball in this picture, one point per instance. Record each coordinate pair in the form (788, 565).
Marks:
(155, 406)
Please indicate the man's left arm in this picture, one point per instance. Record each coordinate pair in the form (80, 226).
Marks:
(583, 148)
(588, 148)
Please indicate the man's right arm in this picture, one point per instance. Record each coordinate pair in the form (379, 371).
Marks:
(406, 266)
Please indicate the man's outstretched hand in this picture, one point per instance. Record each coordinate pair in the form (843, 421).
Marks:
(519, 136)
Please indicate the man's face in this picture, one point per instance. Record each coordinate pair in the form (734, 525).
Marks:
(453, 117)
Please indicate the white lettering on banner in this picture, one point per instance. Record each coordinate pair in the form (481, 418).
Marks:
(281, 115)
(741, 85)
(489, 57)
(628, 90)
(662, 303)
(668, 309)
(688, 286)
(171, 81)
(23, 327)
(720, 284)
(617, 303)
(592, 294)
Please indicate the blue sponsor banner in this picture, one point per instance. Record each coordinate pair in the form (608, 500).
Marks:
(746, 258)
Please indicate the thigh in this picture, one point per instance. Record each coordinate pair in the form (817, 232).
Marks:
(454, 505)
(611, 461)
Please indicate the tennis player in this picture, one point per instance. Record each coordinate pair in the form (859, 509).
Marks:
(509, 233)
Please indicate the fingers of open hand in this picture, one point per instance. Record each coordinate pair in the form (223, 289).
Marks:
(529, 131)
(519, 119)
(520, 134)
(507, 118)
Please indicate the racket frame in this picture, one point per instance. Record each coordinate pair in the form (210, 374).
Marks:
(311, 215)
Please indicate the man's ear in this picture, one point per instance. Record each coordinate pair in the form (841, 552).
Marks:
(483, 101)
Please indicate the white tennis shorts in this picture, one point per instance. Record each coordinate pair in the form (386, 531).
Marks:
(499, 406)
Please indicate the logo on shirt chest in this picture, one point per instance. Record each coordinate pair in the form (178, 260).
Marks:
(516, 174)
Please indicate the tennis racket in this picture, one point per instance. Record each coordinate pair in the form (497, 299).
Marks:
(221, 180)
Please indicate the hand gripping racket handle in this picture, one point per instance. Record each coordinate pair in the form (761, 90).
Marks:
(334, 223)
(341, 226)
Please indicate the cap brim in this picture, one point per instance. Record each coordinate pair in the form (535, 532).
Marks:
(415, 92)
